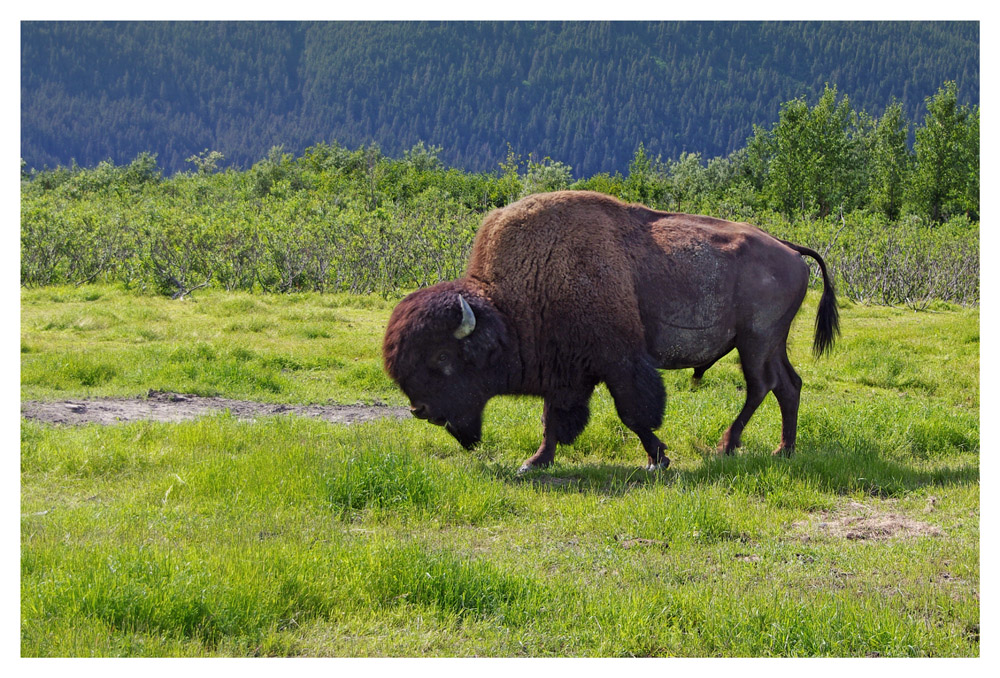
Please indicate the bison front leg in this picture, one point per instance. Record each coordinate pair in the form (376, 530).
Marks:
(639, 399)
(561, 424)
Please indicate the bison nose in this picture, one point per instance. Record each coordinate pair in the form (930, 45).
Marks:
(421, 411)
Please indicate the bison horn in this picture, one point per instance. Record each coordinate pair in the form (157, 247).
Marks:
(468, 320)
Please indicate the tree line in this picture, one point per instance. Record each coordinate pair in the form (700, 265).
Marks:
(899, 225)
(583, 92)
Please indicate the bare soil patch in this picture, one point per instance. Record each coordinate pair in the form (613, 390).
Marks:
(171, 407)
(856, 521)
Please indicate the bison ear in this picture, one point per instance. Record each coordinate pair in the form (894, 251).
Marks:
(484, 345)
(482, 348)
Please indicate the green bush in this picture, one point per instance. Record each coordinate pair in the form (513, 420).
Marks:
(337, 220)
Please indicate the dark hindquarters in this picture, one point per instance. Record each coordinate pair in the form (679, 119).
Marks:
(766, 367)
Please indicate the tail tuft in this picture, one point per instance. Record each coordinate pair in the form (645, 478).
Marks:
(827, 317)
(827, 320)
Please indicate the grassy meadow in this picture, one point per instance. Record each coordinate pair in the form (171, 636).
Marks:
(287, 536)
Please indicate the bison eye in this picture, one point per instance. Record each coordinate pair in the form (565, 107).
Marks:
(442, 362)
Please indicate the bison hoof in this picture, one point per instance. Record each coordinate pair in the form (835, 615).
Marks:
(531, 467)
(534, 464)
(525, 468)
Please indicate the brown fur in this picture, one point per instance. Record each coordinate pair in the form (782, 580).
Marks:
(574, 288)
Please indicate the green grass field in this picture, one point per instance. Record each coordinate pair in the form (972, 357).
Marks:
(288, 536)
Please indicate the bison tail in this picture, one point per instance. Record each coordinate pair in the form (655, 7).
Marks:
(827, 317)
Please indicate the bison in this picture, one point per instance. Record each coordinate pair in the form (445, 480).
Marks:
(568, 289)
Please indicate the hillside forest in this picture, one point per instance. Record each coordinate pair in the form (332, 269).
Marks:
(584, 93)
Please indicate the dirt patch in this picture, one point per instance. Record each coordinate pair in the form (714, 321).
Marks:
(169, 407)
(857, 521)
(632, 543)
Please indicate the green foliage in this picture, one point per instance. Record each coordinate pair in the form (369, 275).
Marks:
(602, 183)
(889, 161)
(546, 175)
(277, 171)
(582, 92)
(907, 262)
(424, 158)
(689, 179)
(828, 158)
(331, 220)
(641, 185)
(141, 171)
(813, 155)
(207, 161)
(337, 219)
(511, 186)
(946, 165)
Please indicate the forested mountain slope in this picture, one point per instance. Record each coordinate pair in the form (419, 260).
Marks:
(583, 93)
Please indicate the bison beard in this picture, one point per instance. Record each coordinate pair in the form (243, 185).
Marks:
(569, 289)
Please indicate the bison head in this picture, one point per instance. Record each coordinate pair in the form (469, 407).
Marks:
(446, 347)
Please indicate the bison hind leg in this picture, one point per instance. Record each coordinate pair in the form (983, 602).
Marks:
(765, 373)
(787, 390)
(757, 374)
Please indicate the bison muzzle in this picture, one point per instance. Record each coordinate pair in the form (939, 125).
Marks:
(568, 289)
